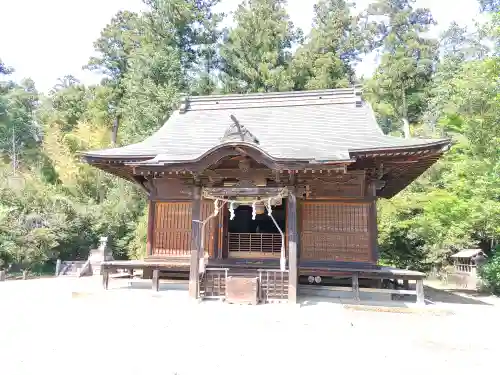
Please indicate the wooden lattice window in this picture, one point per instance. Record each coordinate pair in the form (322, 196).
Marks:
(173, 227)
(334, 231)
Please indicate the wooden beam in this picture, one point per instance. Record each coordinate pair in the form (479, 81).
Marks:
(258, 191)
(292, 244)
(194, 278)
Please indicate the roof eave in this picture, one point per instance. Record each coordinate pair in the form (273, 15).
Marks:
(444, 143)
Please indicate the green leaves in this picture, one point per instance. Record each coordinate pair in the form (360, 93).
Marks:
(333, 47)
(256, 53)
(397, 90)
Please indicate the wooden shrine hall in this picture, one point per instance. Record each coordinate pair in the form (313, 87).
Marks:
(255, 194)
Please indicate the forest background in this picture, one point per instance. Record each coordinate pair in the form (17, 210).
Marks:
(54, 206)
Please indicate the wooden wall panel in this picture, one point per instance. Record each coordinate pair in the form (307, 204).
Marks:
(207, 209)
(335, 231)
(324, 186)
(170, 189)
(172, 228)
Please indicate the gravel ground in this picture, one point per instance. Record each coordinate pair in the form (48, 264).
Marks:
(72, 326)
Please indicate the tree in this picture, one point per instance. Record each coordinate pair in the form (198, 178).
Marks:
(178, 34)
(457, 46)
(332, 49)
(116, 44)
(458, 200)
(19, 131)
(190, 26)
(397, 90)
(256, 53)
(115, 47)
(69, 100)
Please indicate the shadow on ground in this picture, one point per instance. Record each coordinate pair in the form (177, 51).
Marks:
(139, 284)
(434, 295)
(456, 296)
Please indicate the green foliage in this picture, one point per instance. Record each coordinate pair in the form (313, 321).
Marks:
(256, 53)
(333, 47)
(140, 234)
(490, 272)
(397, 90)
(456, 204)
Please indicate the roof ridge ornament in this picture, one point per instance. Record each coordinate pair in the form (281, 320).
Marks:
(238, 132)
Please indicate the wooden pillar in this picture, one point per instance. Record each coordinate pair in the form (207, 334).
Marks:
(194, 278)
(292, 245)
(150, 233)
(420, 292)
(373, 223)
(355, 286)
(156, 280)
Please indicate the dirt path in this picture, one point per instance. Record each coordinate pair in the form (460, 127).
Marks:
(70, 326)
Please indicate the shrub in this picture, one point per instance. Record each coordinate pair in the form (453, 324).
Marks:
(490, 273)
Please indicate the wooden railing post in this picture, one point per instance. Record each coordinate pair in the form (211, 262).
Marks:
(194, 277)
(58, 267)
(292, 245)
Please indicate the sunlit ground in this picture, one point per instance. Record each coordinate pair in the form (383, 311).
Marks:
(72, 326)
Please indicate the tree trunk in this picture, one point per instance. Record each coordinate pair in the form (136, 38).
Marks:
(2, 275)
(406, 124)
(25, 275)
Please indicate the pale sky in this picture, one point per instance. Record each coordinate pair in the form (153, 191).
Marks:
(47, 39)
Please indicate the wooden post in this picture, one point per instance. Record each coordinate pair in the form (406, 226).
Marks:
(420, 292)
(105, 278)
(58, 267)
(355, 286)
(194, 277)
(150, 233)
(156, 280)
(372, 222)
(292, 245)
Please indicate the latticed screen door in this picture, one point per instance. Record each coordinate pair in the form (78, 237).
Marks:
(334, 231)
(172, 228)
(173, 225)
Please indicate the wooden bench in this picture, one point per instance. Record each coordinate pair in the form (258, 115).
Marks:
(378, 273)
(156, 266)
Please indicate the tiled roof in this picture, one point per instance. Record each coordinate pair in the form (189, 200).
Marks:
(309, 125)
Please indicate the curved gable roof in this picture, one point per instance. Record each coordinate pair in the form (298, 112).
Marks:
(323, 125)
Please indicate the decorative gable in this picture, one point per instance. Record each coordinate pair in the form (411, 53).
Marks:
(238, 133)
